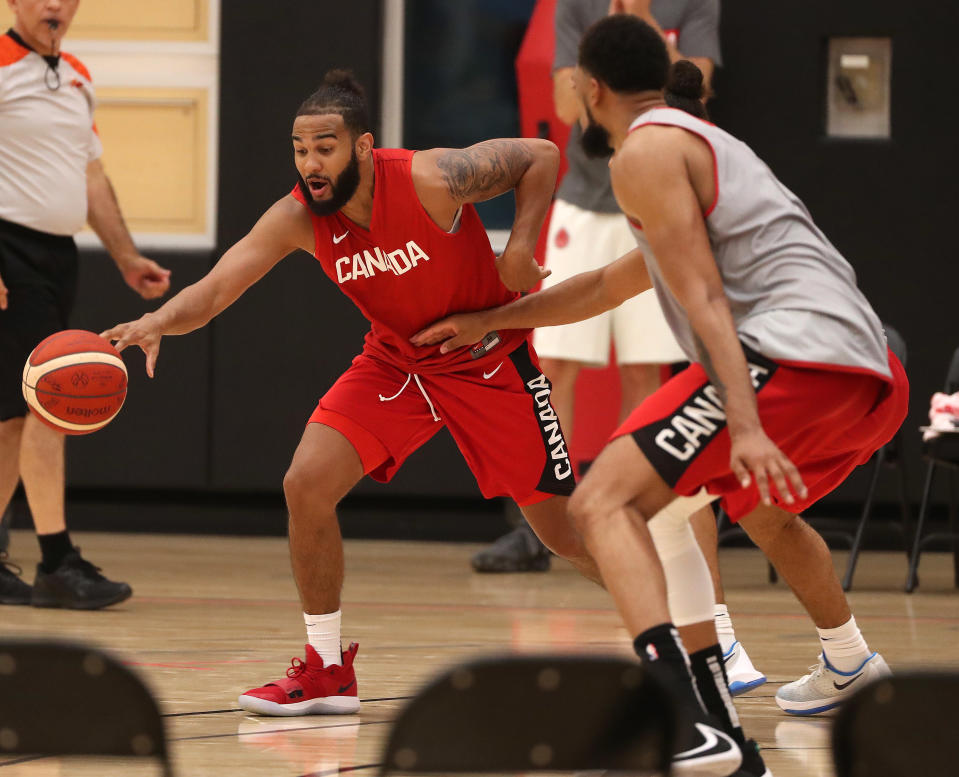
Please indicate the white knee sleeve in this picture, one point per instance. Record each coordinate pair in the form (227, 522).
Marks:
(688, 582)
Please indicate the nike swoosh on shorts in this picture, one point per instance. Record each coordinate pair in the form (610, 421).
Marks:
(488, 375)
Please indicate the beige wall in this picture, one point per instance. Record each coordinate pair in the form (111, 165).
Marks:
(154, 143)
(134, 20)
(155, 67)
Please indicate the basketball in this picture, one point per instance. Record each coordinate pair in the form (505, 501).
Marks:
(75, 382)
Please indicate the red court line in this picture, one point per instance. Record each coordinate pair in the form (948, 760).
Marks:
(194, 664)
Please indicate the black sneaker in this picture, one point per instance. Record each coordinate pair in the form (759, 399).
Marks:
(518, 551)
(752, 765)
(76, 585)
(707, 751)
(13, 590)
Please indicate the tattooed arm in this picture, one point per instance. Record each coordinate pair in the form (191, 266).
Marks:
(446, 179)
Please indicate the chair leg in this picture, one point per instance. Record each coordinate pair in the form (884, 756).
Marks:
(952, 527)
(878, 461)
(773, 574)
(905, 508)
(917, 538)
(722, 520)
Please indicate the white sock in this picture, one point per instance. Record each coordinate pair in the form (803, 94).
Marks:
(323, 633)
(724, 628)
(844, 647)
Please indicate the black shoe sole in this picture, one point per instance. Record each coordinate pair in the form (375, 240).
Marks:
(15, 602)
(94, 604)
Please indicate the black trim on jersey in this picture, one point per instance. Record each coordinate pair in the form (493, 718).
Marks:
(673, 443)
(52, 60)
(558, 477)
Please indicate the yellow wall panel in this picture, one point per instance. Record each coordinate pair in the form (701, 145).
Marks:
(134, 20)
(155, 151)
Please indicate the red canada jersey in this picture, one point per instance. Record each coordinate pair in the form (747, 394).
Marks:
(404, 272)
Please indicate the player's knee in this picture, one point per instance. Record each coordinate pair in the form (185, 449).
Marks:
(769, 527)
(587, 511)
(638, 381)
(305, 491)
(562, 373)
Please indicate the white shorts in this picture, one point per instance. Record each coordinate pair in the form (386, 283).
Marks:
(582, 240)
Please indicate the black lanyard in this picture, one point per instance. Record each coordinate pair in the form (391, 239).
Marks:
(52, 75)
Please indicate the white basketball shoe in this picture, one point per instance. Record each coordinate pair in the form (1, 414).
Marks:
(742, 675)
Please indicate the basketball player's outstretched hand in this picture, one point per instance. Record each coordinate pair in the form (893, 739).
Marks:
(142, 332)
(520, 272)
(755, 457)
(453, 332)
(3, 295)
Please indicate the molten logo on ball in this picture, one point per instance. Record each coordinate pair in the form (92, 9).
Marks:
(75, 382)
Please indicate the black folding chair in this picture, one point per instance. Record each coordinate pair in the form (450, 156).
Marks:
(899, 726)
(63, 699)
(541, 713)
(889, 456)
(942, 452)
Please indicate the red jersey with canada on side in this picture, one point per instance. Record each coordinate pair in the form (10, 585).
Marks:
(405, 272)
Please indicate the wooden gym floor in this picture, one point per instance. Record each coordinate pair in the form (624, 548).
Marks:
(214, 616)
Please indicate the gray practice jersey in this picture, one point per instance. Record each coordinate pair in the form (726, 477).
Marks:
(793, 296)
(692, 24)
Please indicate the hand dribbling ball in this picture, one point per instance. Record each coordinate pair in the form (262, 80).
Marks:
(75, 382)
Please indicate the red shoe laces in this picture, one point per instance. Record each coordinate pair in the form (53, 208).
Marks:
(297, 667)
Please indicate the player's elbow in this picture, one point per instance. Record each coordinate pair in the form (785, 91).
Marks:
(545, 151)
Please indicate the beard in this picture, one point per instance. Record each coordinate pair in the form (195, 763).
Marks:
(595, 139)
(343, 189)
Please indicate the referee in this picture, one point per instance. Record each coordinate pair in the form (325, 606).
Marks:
(51, 183)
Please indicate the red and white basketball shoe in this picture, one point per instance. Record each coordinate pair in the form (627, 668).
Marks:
(309, 688)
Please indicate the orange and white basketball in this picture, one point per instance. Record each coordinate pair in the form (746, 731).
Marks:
(75, 382)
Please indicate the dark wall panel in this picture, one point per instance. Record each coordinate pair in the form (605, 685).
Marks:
(886, 205)
(272, 56)
(161, 437)
(279, 348)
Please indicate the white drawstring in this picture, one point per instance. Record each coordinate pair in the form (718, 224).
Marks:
(390, 399)
(422, 391)
(426, 397)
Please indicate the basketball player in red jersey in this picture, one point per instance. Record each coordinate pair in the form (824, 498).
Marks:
(397, 232)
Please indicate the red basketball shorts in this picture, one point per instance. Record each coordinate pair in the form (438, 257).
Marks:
(827, 422)
(499, 415)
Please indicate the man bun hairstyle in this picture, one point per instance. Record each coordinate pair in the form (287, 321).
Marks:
(685, 88)
(625, 53)
(685, 80)
(339, 93)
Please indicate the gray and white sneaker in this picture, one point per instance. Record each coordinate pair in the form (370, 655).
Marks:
(825, 687)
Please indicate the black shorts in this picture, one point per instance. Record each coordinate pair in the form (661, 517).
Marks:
(40, 273)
